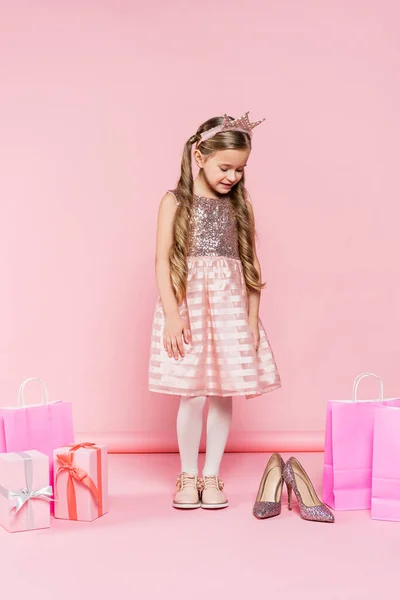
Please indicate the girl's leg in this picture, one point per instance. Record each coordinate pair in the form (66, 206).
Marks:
(218, 426)
(189, 428)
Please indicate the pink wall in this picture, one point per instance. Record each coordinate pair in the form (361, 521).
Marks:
(97, 99)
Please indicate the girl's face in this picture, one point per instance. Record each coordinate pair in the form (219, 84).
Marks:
(223, 169)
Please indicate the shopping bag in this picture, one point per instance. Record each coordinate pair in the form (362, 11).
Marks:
(385, 505)
(42, 427)
(347, 476)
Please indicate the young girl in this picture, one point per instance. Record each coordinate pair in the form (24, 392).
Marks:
(207, 338)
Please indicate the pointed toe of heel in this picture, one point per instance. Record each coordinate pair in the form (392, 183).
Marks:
(266, 510)
(320, 513)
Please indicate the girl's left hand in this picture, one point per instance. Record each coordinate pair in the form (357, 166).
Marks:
(255, 330)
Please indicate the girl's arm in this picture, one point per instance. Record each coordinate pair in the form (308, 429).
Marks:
(174, 326)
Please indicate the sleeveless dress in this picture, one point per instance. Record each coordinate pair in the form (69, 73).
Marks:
(221, 359)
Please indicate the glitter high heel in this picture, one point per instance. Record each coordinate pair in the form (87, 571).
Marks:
(268, 502)
(311, 507)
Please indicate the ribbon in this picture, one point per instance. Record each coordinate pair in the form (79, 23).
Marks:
(25, 495)
(75, 474)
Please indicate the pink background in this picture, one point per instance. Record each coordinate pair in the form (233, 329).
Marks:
(97, 99)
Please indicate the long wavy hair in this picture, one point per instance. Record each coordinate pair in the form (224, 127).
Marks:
(184, 192)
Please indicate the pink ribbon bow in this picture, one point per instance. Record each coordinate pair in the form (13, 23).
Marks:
(66, 463)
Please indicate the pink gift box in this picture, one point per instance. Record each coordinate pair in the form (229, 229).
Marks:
(25, 493)
(81, 482)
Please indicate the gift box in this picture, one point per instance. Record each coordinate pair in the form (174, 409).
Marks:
(81, 482)
(25, 493)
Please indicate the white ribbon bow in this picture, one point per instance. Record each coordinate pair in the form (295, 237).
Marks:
(26, 494)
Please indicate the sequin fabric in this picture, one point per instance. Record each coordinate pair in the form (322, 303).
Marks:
(221, 359)
(265, 510)
(213, 228)
(320, 512)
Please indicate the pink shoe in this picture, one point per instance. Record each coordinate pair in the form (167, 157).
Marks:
(187, 495)
(212, 496)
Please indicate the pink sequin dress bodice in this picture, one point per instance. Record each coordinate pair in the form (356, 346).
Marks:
(221, 359)
(213, 230)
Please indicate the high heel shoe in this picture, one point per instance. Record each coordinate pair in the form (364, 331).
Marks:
(268, 502)
(311, 507)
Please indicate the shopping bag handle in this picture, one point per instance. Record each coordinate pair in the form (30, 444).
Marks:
(21, 398)
(357, 383)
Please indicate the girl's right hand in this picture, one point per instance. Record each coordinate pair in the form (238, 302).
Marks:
(174, 327)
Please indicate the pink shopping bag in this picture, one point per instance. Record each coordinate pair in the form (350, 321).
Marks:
(385, 505)
(43, 427)
(347, 476)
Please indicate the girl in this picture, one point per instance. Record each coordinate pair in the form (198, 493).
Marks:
(207, 339)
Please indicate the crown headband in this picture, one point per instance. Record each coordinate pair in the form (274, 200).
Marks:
(242, 124)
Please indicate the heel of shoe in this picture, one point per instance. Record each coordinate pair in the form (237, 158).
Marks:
(289, 495)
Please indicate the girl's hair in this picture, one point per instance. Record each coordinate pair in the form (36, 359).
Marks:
(184, 192)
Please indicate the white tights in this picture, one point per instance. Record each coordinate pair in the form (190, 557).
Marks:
(189, 429)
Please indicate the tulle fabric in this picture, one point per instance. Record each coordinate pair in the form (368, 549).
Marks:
(221, 358)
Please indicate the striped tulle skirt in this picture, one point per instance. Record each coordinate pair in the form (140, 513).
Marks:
(221, 359)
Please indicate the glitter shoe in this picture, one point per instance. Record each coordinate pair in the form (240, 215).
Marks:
(187, 495)
(268, 502)
(212, 496)
(311, 507)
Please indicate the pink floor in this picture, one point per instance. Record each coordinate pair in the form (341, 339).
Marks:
(144, 549)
